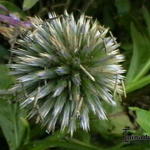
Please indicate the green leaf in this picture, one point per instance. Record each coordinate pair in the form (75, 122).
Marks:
(143, 118)
(5, 79)
(14, 127)
(27, 4)
(140, 62)
(147, 18)
(60, 141)
(12, 8)
(139, 84)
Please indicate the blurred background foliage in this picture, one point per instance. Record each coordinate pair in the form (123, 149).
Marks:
(129, 20)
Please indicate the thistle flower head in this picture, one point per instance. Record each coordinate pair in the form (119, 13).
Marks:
(65, 69)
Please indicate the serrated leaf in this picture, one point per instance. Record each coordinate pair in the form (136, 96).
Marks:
(27, 4)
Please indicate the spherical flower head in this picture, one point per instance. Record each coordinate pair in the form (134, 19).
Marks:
(65, 69)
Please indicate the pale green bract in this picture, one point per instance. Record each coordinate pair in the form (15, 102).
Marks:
(65, 69)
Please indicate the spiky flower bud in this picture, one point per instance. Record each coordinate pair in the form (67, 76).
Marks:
(65, 69)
